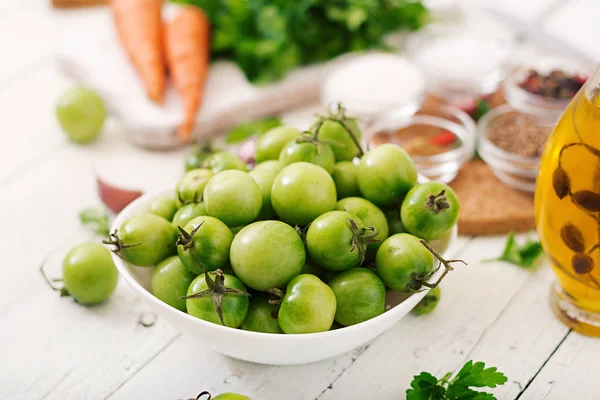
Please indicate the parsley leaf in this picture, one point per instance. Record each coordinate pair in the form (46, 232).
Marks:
(481, 108)
(251, 128)
(97, 219)
(522, 256)
(427, 387)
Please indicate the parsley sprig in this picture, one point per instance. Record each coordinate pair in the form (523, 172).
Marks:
(97, 219)
(521, 255)
(472, 375)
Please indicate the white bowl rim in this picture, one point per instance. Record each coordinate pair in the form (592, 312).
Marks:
(141, 291)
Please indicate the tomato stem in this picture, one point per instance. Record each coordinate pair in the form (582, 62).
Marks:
(446, 263)
(62, 289)
(187, 239)
(362, 237)
(437, 203)
(113, 239)
(202, 394)
(340, 117)
(216, 290)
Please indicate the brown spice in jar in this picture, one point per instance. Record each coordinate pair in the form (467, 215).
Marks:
(519, 134)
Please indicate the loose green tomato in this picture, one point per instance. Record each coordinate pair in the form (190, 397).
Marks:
(359, 295)
(403, 263)
(233, 197)
(345, 176)
(188, 212)
(191, 186)
(301, 192)
(264, 174)
(386, 174)
(370, 215)
(334, 243)
(89, 274)
(145, 240)
(163, 206)
(170, 281)
(430, 210)
(231, 396)
(313, 153)
(81, 114)
(223, 161)
(335, 132)
(394, 221)
(260, 317)
(234, 306)
(428, 303)
(270, 144)
(267, 254)
(310, 267)
(204, 242)
(308, 306)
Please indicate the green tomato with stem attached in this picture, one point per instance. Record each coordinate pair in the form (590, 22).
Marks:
(81, 113)
(188, 212)
(163, 206)
(170, 281)
(371, 216)
(301, 192)
(269, 145)
(191, 187)
(386, 174)
(144, 240)
(338, 133)
(218, 298)
(233, 197)
(204, 243)
(223, 161)
(262, 316)
(359, 295)
(430, 210)
(305, 149)
(267, 254)
(345, 176)
(89, 273)
(264, 174)
(308, 306)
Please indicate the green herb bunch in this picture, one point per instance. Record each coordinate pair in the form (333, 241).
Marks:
(267, 38)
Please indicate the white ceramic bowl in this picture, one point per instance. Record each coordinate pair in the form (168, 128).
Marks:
(264, 348)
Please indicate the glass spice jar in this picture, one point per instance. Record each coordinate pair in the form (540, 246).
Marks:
(567, 206)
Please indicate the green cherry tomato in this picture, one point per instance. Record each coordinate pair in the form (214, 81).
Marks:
(308, 306)
(230, 396)
(394, 221)
(345, 176)
(89, 274)
(170, 281)
(145, 240)
(334, 131)
(334, 243)
(260, 317)
(223, 161)
(81, 114)
(301, 192)
(234, 306)
(313, 153)
(264, 174)
(191, 186)
(430, 210)
(233, 197)
(370, 215)
(188, 212)
(359, 295)
(269, 145)
(403, 262)
(163, 206)
(267, 254)
(204, 242)
(386, 174)
(428, 303)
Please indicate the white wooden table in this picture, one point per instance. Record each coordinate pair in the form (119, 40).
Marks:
(52, 348)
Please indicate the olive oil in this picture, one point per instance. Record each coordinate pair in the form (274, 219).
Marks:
(567, 204)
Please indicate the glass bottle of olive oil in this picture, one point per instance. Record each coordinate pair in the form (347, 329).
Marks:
(567, 205)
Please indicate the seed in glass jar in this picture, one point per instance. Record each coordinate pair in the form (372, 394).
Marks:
(582, 263)
(572, 238)
(587, 200)
(561, 182)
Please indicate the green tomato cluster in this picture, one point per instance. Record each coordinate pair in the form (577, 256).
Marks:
(311, 238)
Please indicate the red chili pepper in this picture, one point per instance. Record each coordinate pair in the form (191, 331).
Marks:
(445, 138)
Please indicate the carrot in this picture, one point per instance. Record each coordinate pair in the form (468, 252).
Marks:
(187, 48)
(139, 26)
